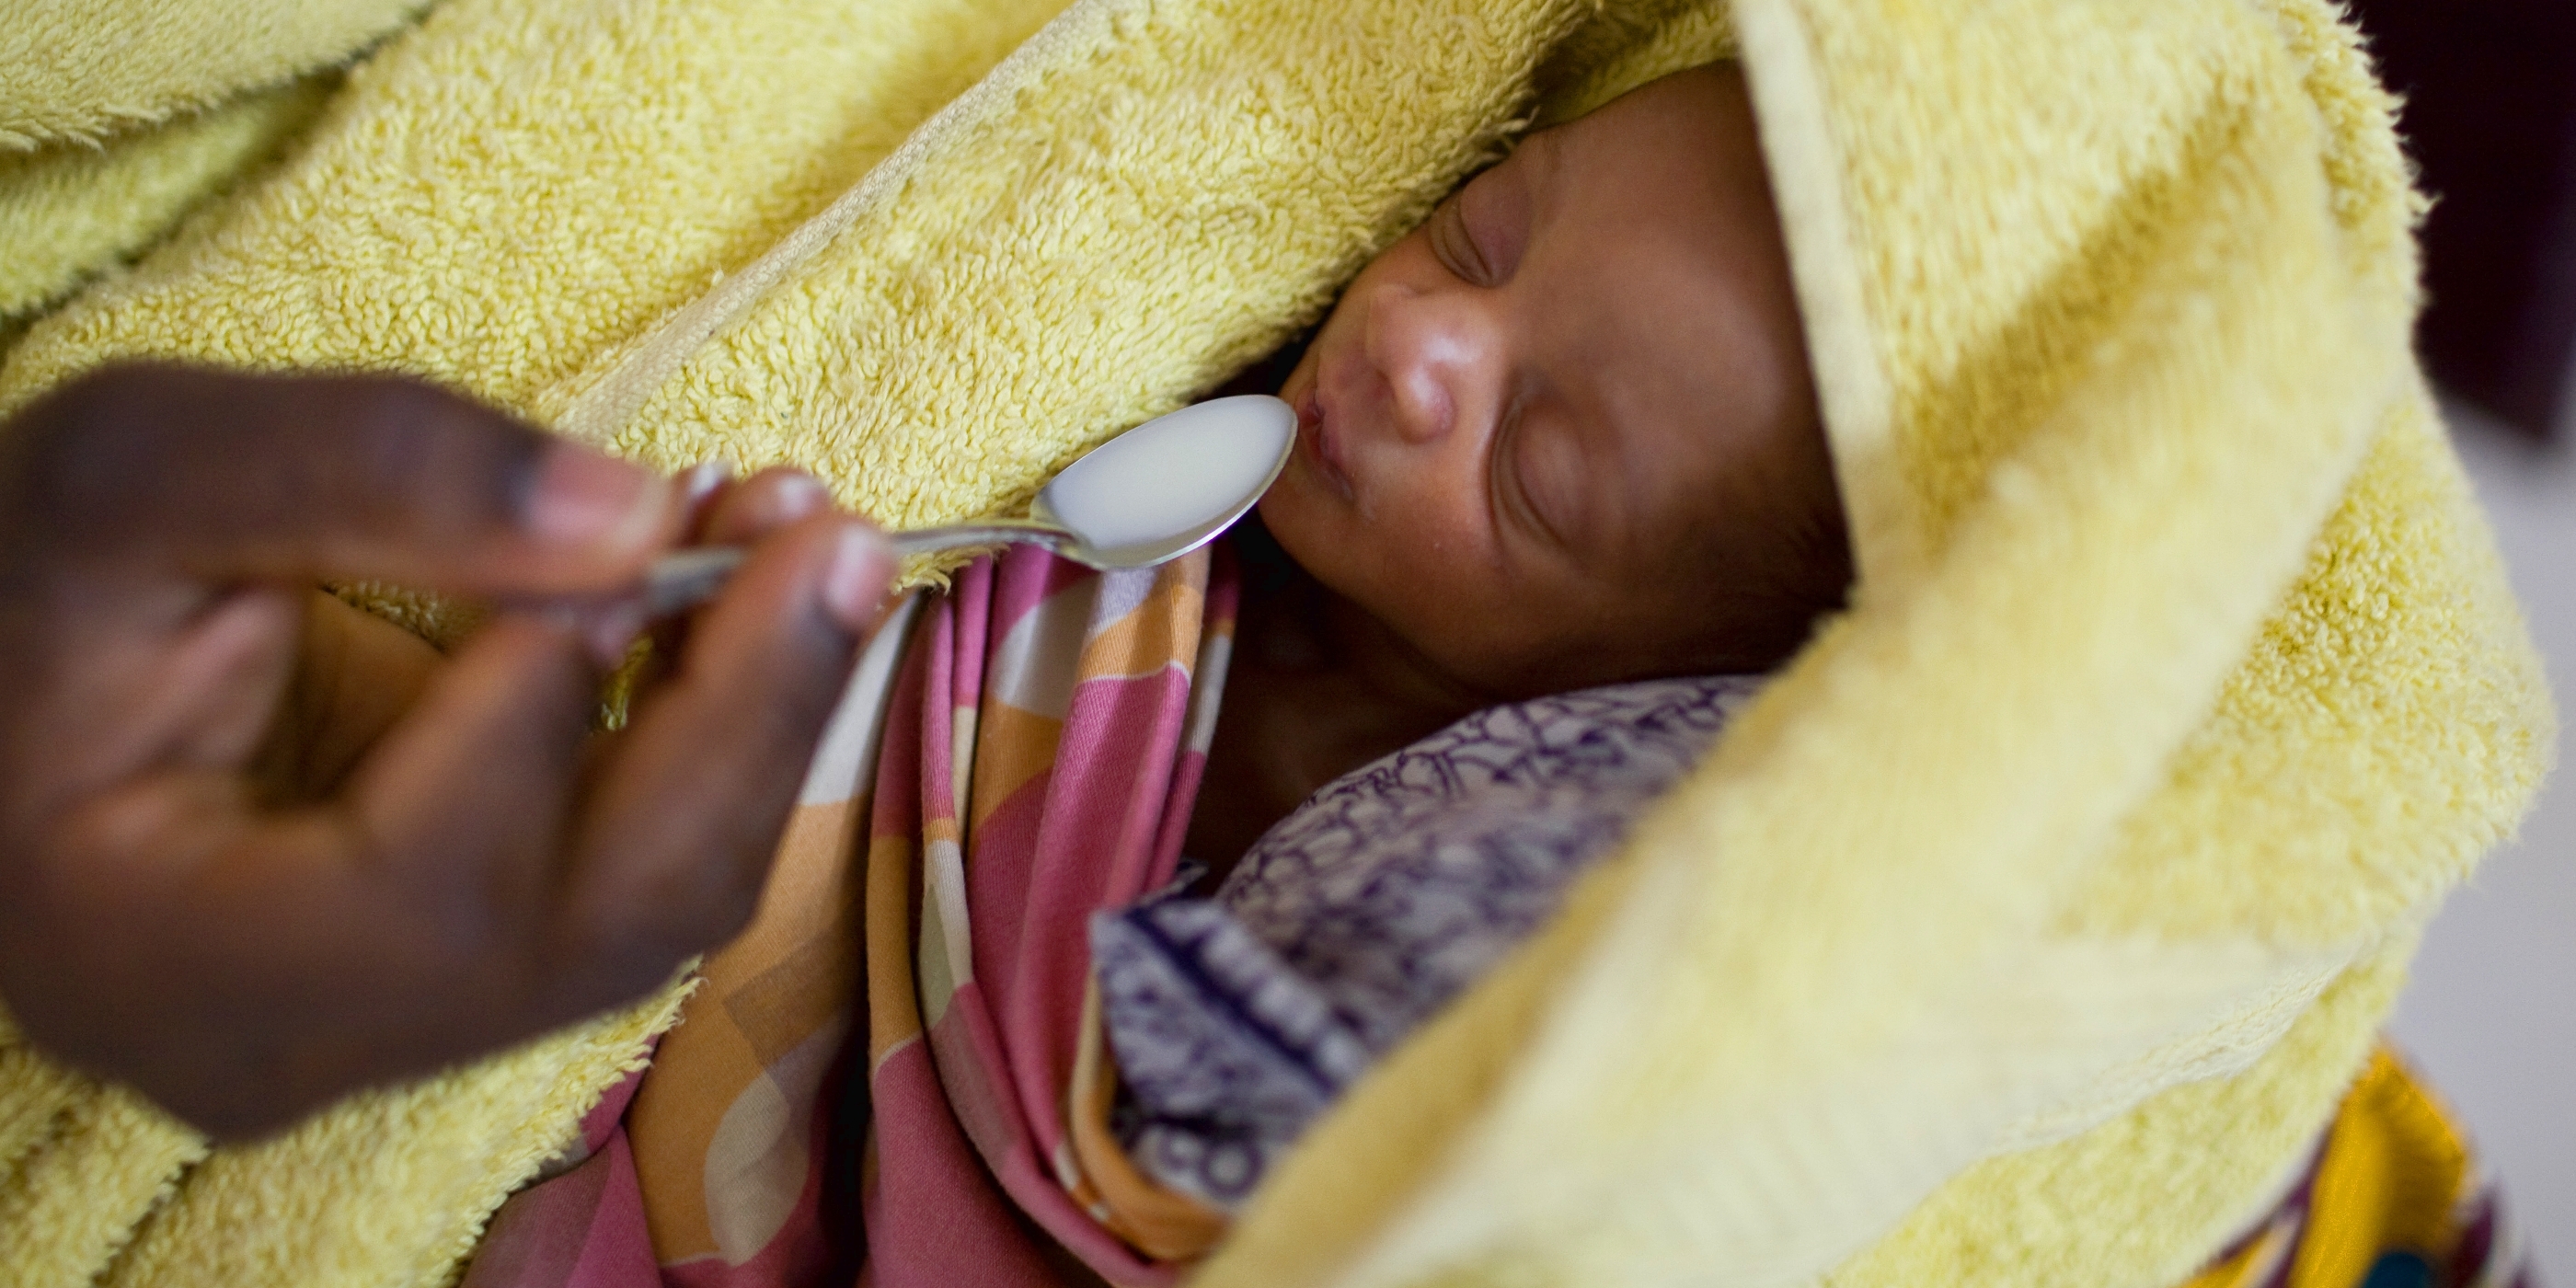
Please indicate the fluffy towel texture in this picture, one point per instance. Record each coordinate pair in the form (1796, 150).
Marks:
(75, 207)
(2391, 1194)
(2063, 880)
(81, 71)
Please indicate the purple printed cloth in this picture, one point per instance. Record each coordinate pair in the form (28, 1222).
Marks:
(1237, 1019)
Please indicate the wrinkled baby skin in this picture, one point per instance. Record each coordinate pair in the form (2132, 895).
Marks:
(1563, 433)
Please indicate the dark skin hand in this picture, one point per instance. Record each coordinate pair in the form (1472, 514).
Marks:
(258, 848)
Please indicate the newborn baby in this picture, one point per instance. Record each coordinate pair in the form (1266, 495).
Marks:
(1561, 435)
(1557, 451)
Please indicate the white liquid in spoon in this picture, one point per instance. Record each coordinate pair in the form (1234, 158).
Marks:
(1175, 475)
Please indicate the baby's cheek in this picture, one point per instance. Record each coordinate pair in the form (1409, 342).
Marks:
(1336, 546)
(1441, 558)
(1456, 537)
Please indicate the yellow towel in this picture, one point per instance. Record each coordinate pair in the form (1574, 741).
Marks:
(86, 71)
(2025, 932)
(74, 208)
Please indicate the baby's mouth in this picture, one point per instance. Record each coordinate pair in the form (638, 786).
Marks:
(1316, 443)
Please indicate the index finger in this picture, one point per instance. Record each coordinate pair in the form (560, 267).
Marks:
(220, 475)
(675, 838)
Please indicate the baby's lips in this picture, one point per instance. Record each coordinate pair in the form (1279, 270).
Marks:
(1314, 437)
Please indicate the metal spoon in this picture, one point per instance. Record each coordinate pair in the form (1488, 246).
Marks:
(1152, 494)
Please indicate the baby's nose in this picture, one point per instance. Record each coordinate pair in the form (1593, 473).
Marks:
(1436, 352)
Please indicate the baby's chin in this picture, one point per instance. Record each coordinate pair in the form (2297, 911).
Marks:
(1308, 511)
(1328, 542)
(1289, 518)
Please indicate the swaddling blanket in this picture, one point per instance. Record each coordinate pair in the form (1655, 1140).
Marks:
(1237, 1018)
(2064, 880)
(1026, 757)
(1030, 758)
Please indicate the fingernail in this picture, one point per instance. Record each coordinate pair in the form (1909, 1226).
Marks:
(583, 497)
(793, 496)
(606, 630)
(703, 479)
(612, 632)
(862, 571)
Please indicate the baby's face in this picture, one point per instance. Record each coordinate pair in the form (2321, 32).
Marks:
(1523, 419)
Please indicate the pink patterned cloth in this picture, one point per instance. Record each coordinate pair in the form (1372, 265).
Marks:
(1011, 757)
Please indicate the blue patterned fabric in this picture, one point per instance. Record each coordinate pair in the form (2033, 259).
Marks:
(1238, 1019)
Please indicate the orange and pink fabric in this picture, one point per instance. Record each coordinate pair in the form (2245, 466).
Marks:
(878, 1082)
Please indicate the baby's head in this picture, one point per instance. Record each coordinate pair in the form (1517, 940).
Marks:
(1563, 433)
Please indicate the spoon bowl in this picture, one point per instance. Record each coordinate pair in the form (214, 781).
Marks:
(1148, 496)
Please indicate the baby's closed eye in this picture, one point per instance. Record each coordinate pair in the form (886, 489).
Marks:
(1540, 470)
(1482, 230)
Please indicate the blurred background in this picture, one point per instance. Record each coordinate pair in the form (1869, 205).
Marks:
(2491, 121)
(2491, 1015)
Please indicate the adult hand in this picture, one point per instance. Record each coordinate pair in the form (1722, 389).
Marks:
(258, 849)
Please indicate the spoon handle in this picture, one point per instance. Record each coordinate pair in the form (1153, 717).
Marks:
(685, 579)
(982, 532)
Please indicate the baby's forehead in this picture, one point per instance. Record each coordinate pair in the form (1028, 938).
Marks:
(1698, 120)
(1667, 303)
